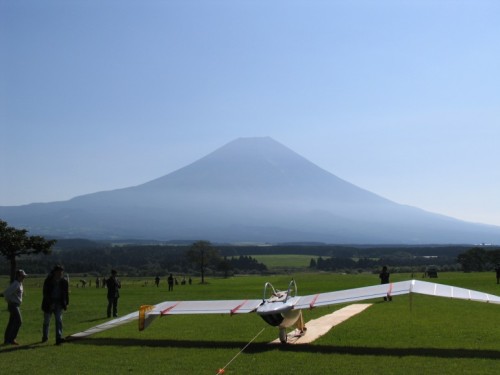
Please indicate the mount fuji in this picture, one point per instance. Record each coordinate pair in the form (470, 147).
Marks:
(249, 190)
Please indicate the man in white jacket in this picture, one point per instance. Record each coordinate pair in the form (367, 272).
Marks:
(14, 297)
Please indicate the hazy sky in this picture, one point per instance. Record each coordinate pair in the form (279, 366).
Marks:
(401, 98)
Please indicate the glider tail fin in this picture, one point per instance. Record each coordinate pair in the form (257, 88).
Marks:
(144, 318)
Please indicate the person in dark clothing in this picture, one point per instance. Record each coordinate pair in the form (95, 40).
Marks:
(498, 274)
(170, 280)
(113, 285)
(55, 300)
(157, 281)
(384, 279)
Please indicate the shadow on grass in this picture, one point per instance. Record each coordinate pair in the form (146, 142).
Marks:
(13, 348)
(322, 349)
(95, 320)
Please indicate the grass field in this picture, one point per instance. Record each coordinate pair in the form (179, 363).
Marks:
(291, 261)
(435, 335)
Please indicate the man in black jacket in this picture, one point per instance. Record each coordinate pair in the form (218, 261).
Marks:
(384, 279)
(55, 300)
(113, 285)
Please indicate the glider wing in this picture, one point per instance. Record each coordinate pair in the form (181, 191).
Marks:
(206, 307)
(108, 325)
(433, 289)
(392, 289)
(147, 313)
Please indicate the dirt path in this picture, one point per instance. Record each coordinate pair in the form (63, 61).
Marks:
(318, 327)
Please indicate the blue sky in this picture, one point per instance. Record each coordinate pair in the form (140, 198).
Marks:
(399, 97)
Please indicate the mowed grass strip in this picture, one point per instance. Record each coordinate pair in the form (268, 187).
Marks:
(410, 335)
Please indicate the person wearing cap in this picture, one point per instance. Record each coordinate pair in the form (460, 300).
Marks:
(113, 285)
(14, 297)
(55, 300)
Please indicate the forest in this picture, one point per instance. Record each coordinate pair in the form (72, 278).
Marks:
(93, 258)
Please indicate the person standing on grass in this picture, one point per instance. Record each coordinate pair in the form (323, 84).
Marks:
(170, 280)
(55, 300)
(14, 297)
(113, 285)
(384, 279)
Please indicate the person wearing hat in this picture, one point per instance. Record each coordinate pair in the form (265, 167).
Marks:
(14, 297)
(55, 300)
(113, 285)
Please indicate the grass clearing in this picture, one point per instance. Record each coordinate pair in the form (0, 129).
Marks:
(435, 334)
(283, 261)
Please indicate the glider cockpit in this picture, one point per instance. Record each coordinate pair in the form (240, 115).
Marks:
(277, 309)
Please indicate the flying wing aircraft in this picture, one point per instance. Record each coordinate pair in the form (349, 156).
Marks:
(283, 309)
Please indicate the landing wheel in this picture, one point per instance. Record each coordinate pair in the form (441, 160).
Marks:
(283, 335)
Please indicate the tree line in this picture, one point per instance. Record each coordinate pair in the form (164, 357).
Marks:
(38, 255)
(476, 259)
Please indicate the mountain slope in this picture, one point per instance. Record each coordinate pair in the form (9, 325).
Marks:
(252, 189)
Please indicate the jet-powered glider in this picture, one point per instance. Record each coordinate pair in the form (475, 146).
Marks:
(283, 309)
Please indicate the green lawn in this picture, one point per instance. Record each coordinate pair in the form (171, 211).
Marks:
(410, 335)
(285, 261)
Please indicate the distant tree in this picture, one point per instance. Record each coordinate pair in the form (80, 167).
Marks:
(367, 263)
(225, 266)
(312, 263)
(320, 263)
(247, 263)
(16, 242)
(334, 264)
(475, 259)
(494, 257)
(203, 254)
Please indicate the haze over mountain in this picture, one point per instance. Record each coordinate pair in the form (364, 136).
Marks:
(250, 190)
